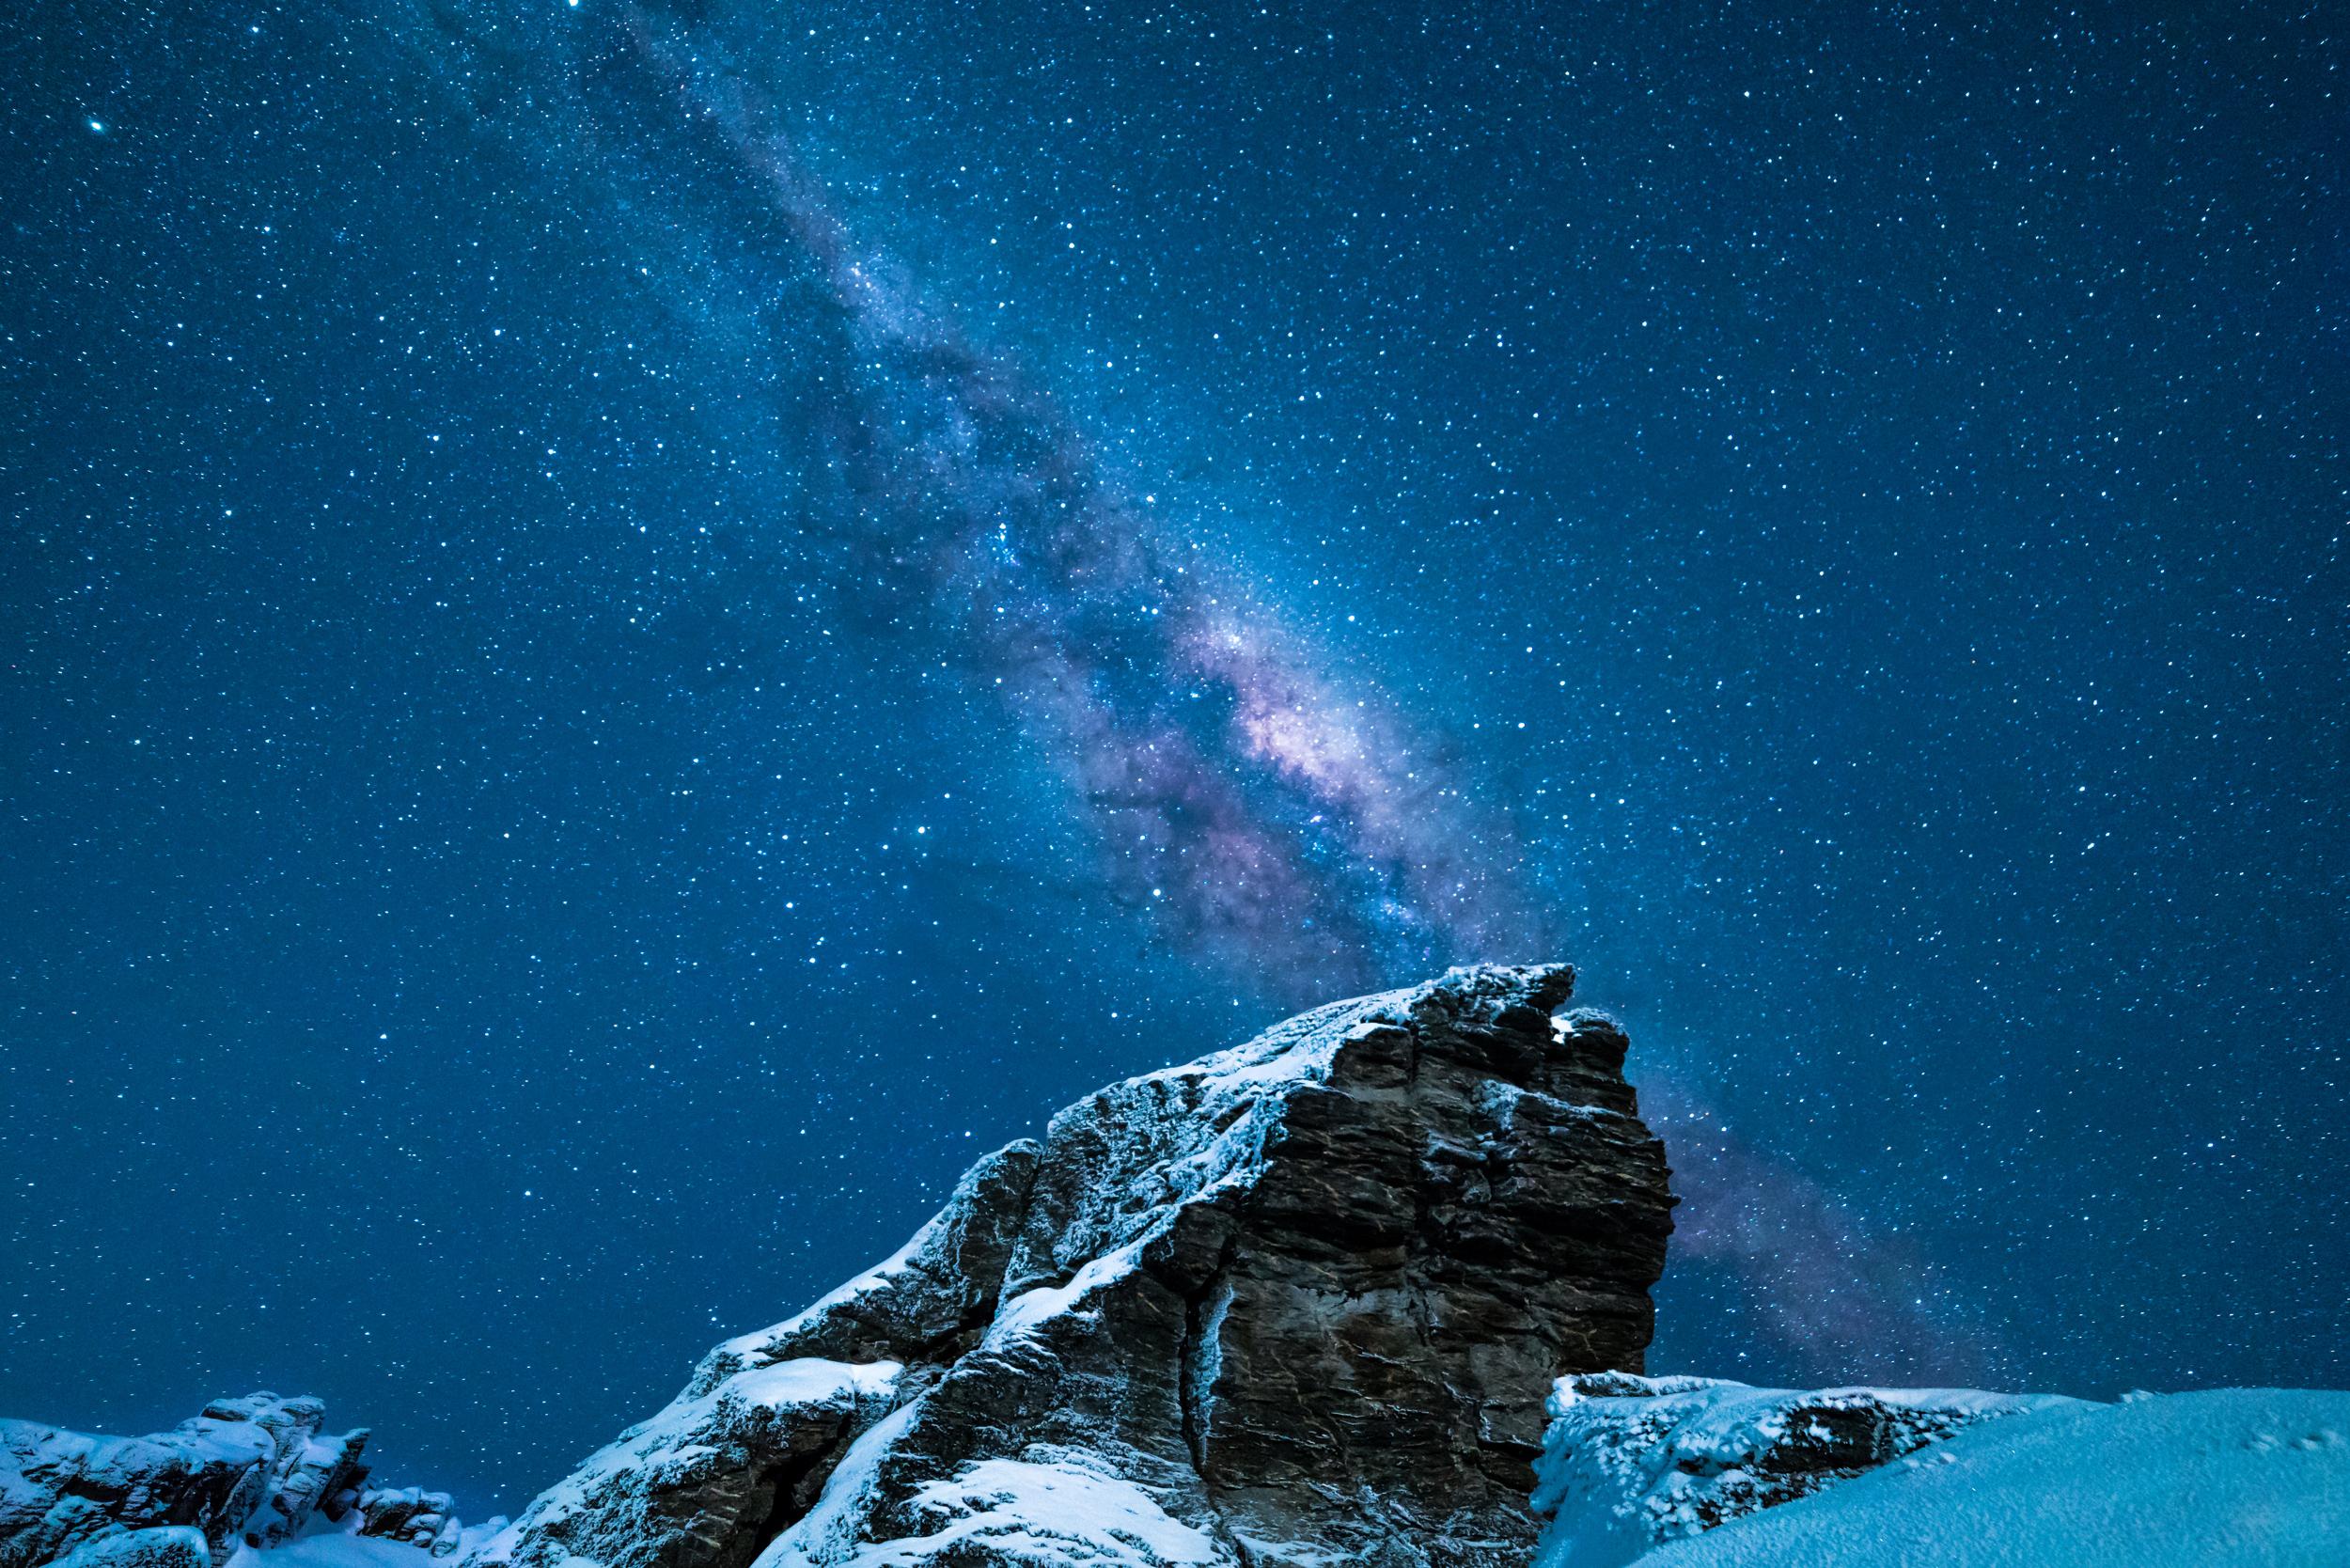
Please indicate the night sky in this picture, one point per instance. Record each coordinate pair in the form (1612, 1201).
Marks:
(633, 632)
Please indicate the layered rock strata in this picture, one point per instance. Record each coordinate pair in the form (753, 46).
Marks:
(1296, 1303)
(1633, 1463)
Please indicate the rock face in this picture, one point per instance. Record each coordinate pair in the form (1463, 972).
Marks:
(1630, 1464)
(1298, 1303)
(246, 1471)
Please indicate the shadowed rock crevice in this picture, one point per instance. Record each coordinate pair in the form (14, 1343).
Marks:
(1296, 1303)
(1202, 1319)
(791, 1488)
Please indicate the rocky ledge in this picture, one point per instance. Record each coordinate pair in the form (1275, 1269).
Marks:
(1298, 1303)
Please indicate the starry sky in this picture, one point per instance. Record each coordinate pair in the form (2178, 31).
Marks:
(634, 631)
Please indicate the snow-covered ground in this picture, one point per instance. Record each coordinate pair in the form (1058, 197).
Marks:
(332, 1549)
(1631, 1463)
(2230, 1478)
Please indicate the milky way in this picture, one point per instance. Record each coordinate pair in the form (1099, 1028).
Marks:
(609, 683)
(1274, 823)
(1281, 829)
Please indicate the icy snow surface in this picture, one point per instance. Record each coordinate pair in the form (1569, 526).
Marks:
(2230, 1478)
(332, 1549)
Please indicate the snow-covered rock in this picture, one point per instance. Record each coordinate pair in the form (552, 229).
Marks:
(246, 1472)
(248, 1475)
(1296, 1303)
(1632, 1463)
(163, 1546)
(708, 1469)
(412, 1517)
(2226, 1477)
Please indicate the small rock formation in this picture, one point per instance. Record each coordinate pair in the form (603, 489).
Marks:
(1632, 1463)
(1298, 1303)
(417, 1519)
(247, 1472)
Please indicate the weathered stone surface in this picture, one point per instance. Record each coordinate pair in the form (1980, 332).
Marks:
(1633, 1463)
(1299, 1302)
(247, 1471)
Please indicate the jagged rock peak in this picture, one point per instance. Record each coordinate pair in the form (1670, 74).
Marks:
(1296, 1303)
(246, 1472)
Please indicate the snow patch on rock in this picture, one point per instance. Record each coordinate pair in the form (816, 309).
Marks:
(1055, 1510)
(670, 1477)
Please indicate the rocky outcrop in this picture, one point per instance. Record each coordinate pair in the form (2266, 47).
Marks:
(251, 1473)
(1298, 1303)
(1632, 1463)
(246, 1471)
